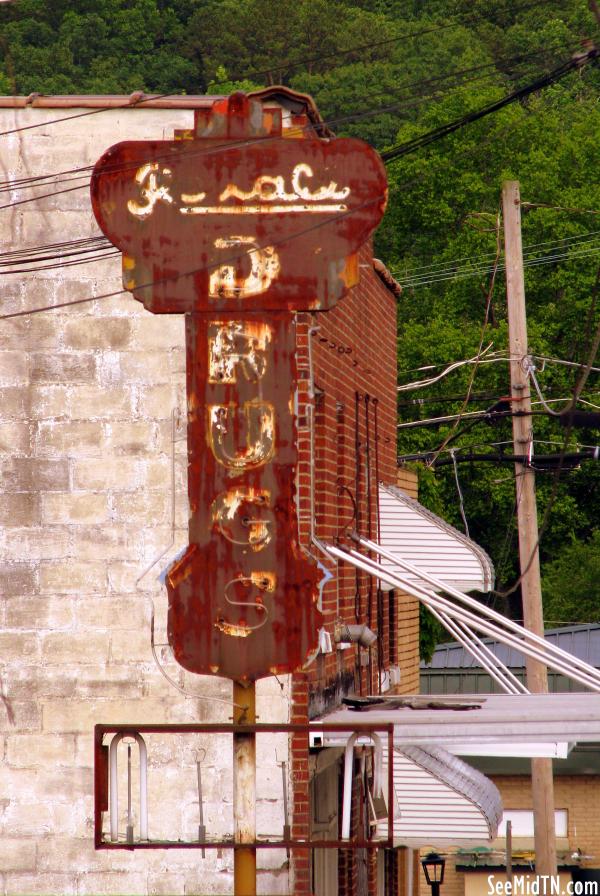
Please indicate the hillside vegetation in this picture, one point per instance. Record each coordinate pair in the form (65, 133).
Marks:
(389, 71)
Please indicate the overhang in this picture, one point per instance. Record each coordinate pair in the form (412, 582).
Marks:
(442, 801)
(496, 719)
(419, 536)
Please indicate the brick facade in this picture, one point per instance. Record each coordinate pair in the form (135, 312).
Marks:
(353, 355)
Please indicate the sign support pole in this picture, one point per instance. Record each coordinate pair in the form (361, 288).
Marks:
(244, 790)
(542, 785)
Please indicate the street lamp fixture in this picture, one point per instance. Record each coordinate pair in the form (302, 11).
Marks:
(433, 866)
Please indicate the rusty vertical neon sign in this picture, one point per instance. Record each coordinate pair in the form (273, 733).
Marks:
(239, 228)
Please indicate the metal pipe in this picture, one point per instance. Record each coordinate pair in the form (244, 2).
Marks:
(488, 628)
(348, 773)
(129, 831)
(534, 639)
(244, 792)
(466, 637)
(287, 831)
(377, 765)
(347, 794)
(476, 621)
(201, 825)
(114, 784)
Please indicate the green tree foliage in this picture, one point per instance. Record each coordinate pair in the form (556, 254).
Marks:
(572, 581)
(389, 71)
(109, 46)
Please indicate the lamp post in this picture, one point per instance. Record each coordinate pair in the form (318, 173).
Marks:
(433, 866)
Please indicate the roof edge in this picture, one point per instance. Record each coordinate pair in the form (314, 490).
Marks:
(135, 100)
(460, 777)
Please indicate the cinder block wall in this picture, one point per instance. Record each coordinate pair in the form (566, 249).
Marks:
(88, 394)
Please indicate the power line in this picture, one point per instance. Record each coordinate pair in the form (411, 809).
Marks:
(561, 208)
(287, 65)
(451, 265)
(546, 80)
(535, 262)
(207, 267)
(520, 58)
(80, 173)
(73, 170)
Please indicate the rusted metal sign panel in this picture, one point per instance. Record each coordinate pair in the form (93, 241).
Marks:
(225, 224)
(242, 598)
(239, 227)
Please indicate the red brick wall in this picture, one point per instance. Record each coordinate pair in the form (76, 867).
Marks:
(354, 364)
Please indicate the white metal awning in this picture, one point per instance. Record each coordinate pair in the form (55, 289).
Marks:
(440, 800)
(462, 719)
(409, 529)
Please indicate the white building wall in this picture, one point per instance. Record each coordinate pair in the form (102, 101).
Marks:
(87, 397)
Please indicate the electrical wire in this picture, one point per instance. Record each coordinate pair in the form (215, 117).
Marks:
(386, 42)
(496, 63)
(560, 208)
(484, 266)
(486, 318)
(461, 502)
(546, 80)
(562, 361)
(128, 105)
(476, 359)
(577, 390)
(287, 65)
(451, 265)
(98, 297)
(355, 116)
(206, 267)
(535, 262)
(474, 415)
(420, 384)
(530, 370)
(81, 173)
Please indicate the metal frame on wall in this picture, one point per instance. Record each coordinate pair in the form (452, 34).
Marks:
(101, 784)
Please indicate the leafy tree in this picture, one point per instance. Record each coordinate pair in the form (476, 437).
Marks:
(571, 583)
(389, 71)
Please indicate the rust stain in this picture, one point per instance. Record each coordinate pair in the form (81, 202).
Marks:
(239, 227)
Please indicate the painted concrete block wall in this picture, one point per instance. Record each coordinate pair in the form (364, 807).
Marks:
(91, 395)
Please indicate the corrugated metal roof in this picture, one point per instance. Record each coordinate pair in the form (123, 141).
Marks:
(441, 799)
(419, 536)
(583, 641)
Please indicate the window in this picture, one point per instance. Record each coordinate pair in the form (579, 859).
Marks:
(522, 822)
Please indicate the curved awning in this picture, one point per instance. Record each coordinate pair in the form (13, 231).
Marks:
(440, 800)
(418, 535)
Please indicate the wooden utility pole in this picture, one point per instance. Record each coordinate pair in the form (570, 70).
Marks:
(542, 784)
